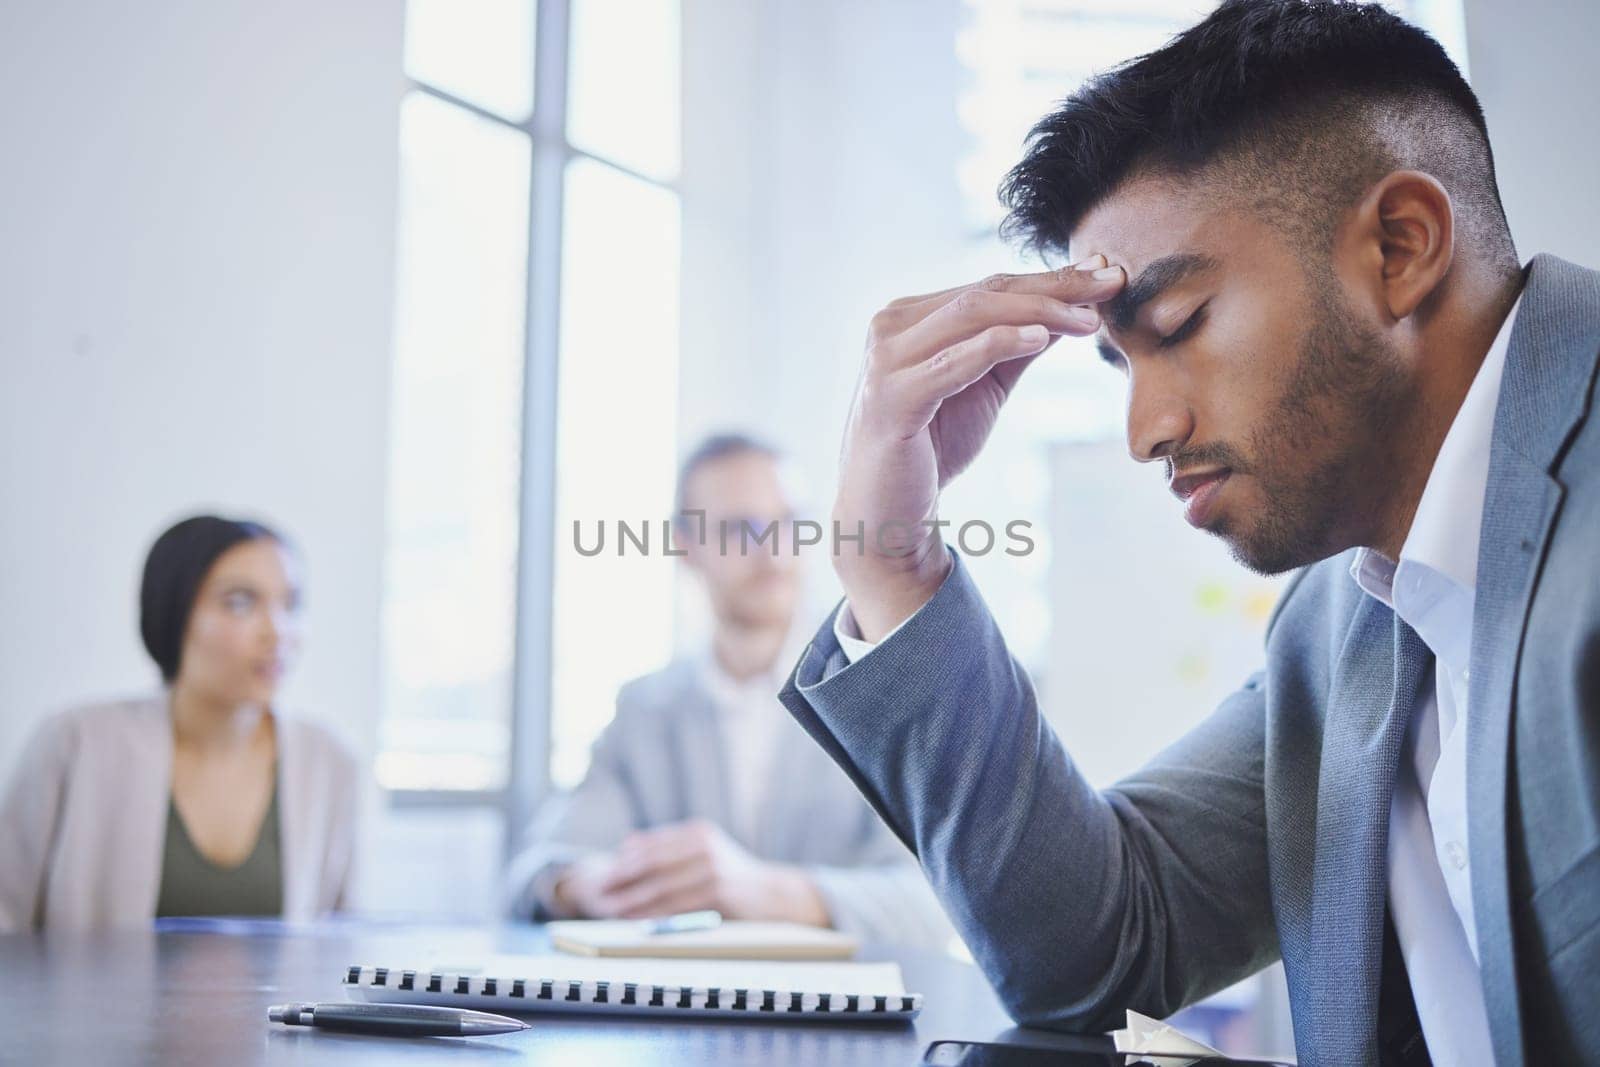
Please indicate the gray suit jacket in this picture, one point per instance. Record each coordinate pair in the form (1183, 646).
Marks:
(661, 760)
(1234, 846)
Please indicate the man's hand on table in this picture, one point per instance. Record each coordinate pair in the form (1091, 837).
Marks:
(687, 866)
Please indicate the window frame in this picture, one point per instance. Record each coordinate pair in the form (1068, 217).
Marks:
(545, 130)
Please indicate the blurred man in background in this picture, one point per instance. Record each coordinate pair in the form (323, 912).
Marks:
(703, 792)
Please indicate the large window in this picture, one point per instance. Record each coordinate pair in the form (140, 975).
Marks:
(535, 377)
(617, 437)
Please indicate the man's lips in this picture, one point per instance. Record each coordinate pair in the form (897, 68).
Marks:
(1198, 490)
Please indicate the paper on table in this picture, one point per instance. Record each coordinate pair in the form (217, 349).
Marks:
(1145, 1035)
(733, 939)
(869, 979)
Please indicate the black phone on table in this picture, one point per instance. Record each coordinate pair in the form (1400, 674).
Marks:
(979, 1054)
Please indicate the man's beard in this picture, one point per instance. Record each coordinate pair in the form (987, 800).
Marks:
(1325, 455)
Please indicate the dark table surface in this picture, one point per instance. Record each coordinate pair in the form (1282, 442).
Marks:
(193, 996)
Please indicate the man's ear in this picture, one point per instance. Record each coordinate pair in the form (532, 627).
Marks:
(1409, 217)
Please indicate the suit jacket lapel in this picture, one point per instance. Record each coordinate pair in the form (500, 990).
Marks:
(1367, 714)
(1549, 364)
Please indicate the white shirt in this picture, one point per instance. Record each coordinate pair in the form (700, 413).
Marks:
(848, 634)
(1432, 588)
(749, 717)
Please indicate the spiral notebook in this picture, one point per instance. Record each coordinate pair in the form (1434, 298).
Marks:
(749, 989)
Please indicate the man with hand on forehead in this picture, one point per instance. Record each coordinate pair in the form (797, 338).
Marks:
(1286, 235)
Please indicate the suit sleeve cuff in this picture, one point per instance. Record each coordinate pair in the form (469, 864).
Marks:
(848, 634)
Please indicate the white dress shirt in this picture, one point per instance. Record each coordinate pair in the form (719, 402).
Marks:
(848, 634)
(749, 717)
(1432, 588)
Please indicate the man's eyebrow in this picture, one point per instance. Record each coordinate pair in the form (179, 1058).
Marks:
(1154, 280)
(1108, 351)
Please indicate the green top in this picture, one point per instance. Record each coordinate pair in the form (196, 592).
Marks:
(193, 885)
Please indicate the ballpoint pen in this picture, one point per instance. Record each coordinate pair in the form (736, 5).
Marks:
(687, 921)
(400, 1020)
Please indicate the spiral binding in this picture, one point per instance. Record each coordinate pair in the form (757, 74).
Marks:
(557, 994)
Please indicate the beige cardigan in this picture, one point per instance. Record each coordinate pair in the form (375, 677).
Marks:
(84, 816)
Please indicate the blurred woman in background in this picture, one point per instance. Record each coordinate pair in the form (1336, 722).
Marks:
(202, 799)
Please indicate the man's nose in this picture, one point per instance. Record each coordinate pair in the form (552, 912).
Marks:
(1159, 419)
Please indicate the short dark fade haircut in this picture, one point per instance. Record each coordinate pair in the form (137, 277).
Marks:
(173, 573)
(1296, 106)
(715, 447)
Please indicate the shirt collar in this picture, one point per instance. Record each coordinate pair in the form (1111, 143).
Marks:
(1440, 552)
(728, 692)
(1444, 532)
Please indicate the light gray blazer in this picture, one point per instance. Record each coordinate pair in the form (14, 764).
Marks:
(1262, 832)
(661, 761)
(83, 819)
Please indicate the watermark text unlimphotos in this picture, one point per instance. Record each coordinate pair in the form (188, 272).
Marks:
(744, 537)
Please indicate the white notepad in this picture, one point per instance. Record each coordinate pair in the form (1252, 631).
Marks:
(749, 989)
(734, 939)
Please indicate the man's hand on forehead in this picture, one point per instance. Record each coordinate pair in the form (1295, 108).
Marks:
(1108, 283)
(1061, 300)
(1061, 282)
(938, 368)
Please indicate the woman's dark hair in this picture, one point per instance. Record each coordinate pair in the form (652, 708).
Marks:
(173, 571)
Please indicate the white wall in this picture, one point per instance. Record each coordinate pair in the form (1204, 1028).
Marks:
(818, 184)
(1533, 66)
(197, 206)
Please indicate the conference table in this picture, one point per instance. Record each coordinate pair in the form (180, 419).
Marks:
(197, 992)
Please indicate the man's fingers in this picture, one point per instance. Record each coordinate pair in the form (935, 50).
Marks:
(696, 898)
(1001, 281)
(993, 281)
(971, 312)
(629, 872)
(663, 844)
(958, 366)
(1087, 282)
(1068, 285)
(650, 894)
(657, 863)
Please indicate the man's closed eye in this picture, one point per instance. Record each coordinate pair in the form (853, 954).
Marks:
(1184, 332)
